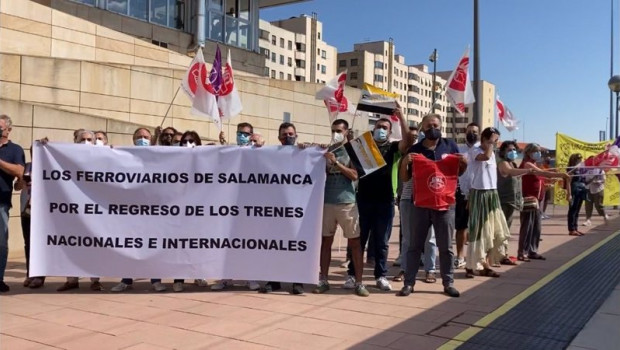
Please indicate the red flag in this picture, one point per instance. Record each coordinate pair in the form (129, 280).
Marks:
(434, 182)
(505, 116)
(333, 96)
(459, 90)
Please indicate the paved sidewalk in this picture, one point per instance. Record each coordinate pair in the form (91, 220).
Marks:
(240, 319)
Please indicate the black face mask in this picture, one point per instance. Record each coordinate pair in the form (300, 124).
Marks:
(290, 140)
(471, 138)
(432, 134)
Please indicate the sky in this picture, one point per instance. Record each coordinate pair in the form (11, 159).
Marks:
(549, 59)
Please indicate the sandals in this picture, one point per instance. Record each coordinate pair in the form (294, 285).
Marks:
(399, 277)
(488, 272)
(430, 277)
(575, 233)
(506, 261)
(469, 273)
(523, 258)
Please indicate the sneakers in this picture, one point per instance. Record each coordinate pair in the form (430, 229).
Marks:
(451, 291)
(177, 287)
(587, 223)
(297, 289)
(158, 287)
(349, 283)
(361, 291)
(253, 285)
(221, 285)
(321, 288)
(4, 287)
(397, 262)
(96, 286)
(200, 282)
(121, 287)
(459, 263)
(383, 284)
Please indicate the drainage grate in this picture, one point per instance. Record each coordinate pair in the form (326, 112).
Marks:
(552, 316)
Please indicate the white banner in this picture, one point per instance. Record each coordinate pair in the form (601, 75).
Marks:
(172, 212)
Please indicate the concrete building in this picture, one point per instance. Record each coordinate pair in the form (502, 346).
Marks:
(294, 50)
(60, 70)
(377, 63)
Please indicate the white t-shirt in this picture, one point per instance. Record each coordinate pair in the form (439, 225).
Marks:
(484, 172)
(466, 178)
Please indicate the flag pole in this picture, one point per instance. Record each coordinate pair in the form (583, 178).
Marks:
(170, 106)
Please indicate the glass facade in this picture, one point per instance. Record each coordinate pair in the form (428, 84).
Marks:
(232, 22)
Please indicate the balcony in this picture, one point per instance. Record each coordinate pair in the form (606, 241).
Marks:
(300, 38)
(300, 71)
(300, 55)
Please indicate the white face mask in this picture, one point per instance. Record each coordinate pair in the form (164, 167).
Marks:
(86, 142)
(337, 137)
(190, 145)
(99, 142)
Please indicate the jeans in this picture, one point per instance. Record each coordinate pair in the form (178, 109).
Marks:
(376, 224)
(574, 208)
(4, 238)
(407, 224)
(443, 224)
(596, 201)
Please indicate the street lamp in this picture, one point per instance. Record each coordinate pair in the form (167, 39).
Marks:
(614, 85)
(433, 58)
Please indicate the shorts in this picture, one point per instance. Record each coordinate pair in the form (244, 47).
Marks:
(461, 213)
(345, 215)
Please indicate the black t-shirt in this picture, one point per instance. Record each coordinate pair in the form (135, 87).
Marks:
(378, 185)
(14, 154)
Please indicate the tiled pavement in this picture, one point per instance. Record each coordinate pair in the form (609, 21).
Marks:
(240, 319)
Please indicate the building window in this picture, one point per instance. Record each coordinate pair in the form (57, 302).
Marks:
(281, 75)
(281, 59)
(353, 75)
(354, 62)
(273, 74)
(264, 34)
(318, 67)
(290, 62)
(286, 117)
(318, 35)
(378, 78)
(265, 52)
(273, 57)
(290, 45)
(323, 54)
(86, 2)
(273, 40)
(414, 100)
(323, 69)
(379, 64)
(266, 72)
(342, 63)
(300, 46)
(289, 77)
(300, 63)
(282, 42)
(318, 52)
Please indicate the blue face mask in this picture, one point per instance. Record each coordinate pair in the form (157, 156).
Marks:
(142, 142)
(243, 139)
(380, 135)
(536, 156)
(512, 155)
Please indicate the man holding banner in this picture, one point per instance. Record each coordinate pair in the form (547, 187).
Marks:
(340, 209)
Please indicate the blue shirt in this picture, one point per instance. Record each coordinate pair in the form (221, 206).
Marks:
(14, 154)
(444, 146)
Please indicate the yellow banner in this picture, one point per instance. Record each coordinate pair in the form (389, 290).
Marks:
(373, 90)
(565, 146)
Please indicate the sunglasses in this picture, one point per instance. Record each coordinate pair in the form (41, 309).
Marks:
(167, 134)
(242, 133)
(187, 141)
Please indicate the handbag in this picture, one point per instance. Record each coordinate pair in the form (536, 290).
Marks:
(530, 203)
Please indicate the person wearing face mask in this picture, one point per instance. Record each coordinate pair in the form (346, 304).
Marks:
(375, 199)
(246, 136)
(85, 137)
(532, 187)
(339, 209)
(488, 231)
(141, 137)
(509, 186)
(176, 139)
(101, 138)
(435, 148)
(190, 139)
(461, 214)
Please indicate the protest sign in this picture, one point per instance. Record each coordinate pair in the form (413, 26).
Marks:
(175, 212)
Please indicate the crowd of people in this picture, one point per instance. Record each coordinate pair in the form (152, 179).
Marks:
(491, 188)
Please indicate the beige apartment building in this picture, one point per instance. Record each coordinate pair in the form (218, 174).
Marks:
(68, 64)
(377, 63)
(294, 50)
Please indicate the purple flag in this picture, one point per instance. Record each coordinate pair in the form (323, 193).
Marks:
(215, 76)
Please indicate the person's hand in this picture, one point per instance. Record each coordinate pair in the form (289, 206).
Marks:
(410, 158)
(330, 157)
(397, 111)
(222, 138)
(158, 130)
(44, 141)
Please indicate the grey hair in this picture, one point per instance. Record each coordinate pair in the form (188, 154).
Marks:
(7, 119)
(82, 132)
